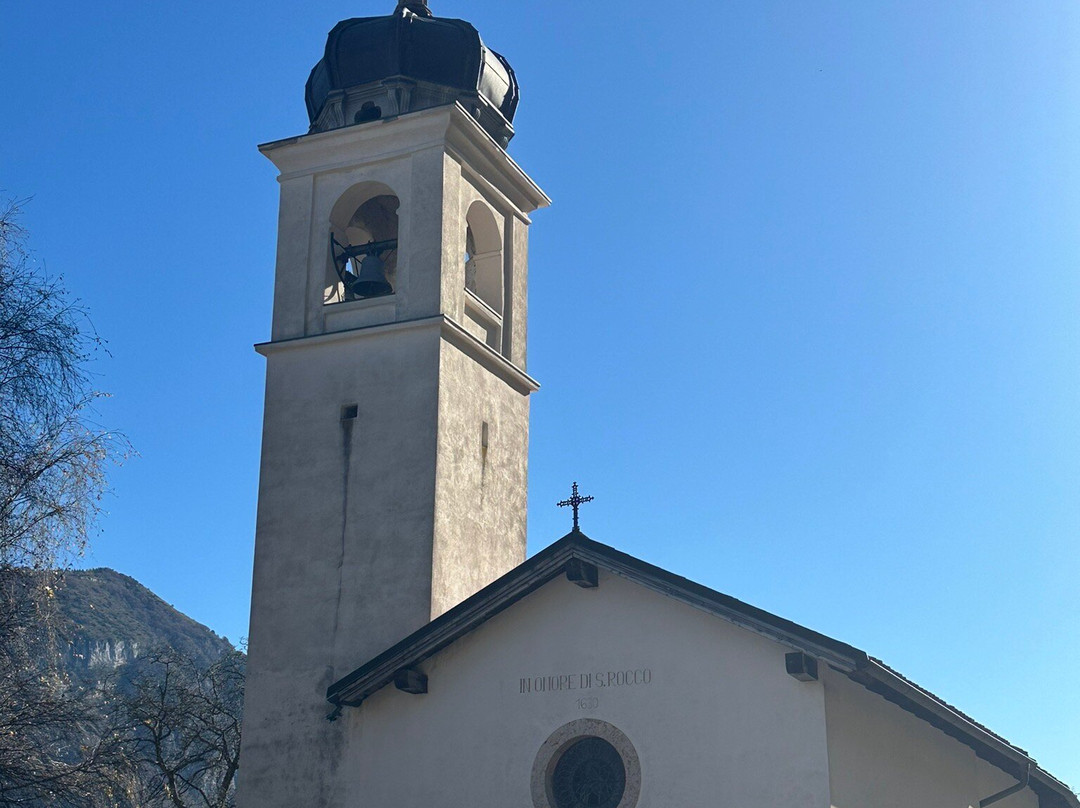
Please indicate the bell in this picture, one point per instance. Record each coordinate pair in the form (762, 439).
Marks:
(370, 280)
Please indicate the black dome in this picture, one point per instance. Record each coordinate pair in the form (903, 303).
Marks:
(377, 67)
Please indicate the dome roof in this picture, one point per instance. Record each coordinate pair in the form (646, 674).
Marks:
(377, 67)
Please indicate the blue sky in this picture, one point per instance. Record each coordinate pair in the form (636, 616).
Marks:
(804, 310)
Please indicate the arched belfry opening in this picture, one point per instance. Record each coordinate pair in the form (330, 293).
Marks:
(484, 270)
(363, 254)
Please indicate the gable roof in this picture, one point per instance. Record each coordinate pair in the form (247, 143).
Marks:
(576, 548)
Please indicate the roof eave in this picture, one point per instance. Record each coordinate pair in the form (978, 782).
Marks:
(995, 750)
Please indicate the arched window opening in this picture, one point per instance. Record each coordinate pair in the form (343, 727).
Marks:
(483, 257)
(363, 245)
(484, 275)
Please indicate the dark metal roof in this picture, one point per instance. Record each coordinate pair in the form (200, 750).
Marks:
(412, 45)
(552, 562)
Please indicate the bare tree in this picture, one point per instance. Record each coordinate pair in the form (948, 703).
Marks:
(55, 747)
(59, 746)
(184, 725)
(53, 458)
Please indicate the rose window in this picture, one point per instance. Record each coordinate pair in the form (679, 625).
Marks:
(589, 774)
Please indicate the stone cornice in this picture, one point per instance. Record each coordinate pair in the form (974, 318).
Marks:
(453, 333)
(449, 128)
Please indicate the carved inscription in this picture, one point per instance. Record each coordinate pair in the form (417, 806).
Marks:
(635, 677)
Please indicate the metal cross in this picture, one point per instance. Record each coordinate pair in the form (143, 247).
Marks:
(575, 502)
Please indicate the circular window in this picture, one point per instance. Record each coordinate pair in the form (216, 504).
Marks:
(589, 774)
(586, 764)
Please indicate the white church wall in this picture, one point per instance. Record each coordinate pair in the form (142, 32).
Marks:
(713, 716)
(481, 480)
(882, 756)
(328, 588)
(515, 319)
(294, 243)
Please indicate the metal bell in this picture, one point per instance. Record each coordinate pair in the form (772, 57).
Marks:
(370, 279)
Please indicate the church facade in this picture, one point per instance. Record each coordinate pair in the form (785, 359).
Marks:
(403, 651)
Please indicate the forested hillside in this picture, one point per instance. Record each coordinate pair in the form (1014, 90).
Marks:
(106, 619)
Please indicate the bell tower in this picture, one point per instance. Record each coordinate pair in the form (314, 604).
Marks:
(395, 436)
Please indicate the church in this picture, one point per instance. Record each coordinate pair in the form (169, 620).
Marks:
(403, 649)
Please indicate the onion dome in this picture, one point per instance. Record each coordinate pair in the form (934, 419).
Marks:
(380, 67)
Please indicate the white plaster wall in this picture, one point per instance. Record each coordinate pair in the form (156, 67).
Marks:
(515, 318)
(461, 188)
(335, 581)
(481, 497)
(721, 723)
(294, 243)
(881, 756)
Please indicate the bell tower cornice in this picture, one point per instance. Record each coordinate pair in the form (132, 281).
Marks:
(449, 126)
(484, 355)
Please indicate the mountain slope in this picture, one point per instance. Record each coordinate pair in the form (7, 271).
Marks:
(108, 619)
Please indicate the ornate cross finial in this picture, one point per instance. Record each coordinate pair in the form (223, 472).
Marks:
(575, 502)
